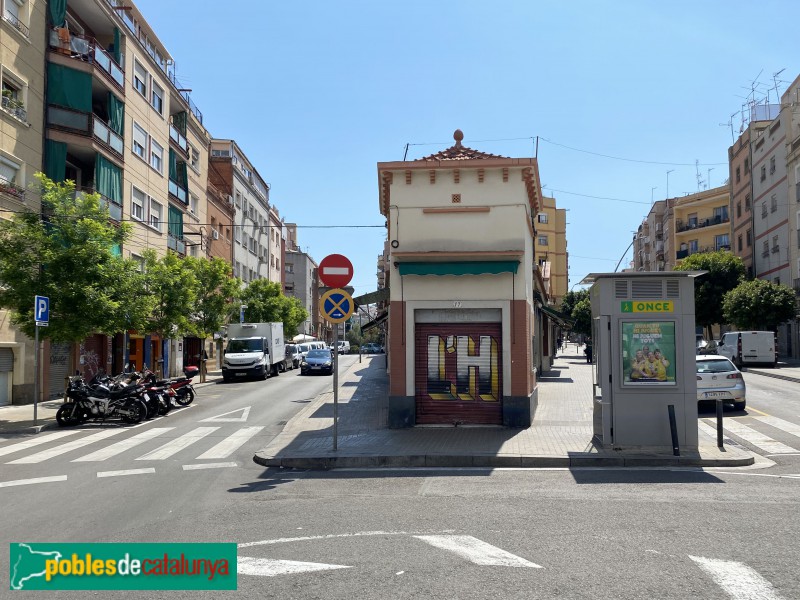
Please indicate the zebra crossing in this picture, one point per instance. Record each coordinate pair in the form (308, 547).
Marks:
(754, 434)
(149, 445)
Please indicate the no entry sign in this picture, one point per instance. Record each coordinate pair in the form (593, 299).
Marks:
(335, 271)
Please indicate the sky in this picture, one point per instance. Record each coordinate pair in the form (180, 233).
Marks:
(617, 94)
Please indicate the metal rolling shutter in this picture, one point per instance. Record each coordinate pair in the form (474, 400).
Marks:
(6, 360)
(458, 373)
(59, 369)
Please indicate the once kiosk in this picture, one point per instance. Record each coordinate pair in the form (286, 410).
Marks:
(643, 331)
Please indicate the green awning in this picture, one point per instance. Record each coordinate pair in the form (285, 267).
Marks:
(55, 160)
(69, 88)
(175, 223)
(474, 267)
(561, 318)
(108, 179)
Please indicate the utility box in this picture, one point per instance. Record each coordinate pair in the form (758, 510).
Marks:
(643, 332)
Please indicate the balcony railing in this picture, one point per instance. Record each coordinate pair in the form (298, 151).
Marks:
(114, 209)
(85, 124)
(87, 50)
(177, 190)
(179, 139)
(700, 250)
(174, 243)
(12, 189)
(14, 108)
(16, 23)
(710, 222)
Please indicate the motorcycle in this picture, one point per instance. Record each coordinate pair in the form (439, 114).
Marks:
(98, 402)
(125, 379)
(181, 386)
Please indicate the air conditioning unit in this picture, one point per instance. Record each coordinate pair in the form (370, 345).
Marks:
(230, 199)
(215, 234)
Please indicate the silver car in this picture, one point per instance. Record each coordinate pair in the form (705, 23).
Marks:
(718, 378)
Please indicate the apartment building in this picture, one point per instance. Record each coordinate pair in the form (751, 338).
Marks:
(551, 248)
(790, 114)
(232, 170)
(651, 242)
(301, 281)
(702, 222)
(276, 247)
(22, 24)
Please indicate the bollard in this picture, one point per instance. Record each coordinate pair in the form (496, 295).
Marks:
(719, 422)
(673, 427)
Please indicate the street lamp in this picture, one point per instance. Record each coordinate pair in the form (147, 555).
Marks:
(668, 172)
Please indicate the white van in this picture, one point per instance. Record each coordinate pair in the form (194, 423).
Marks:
(749, 348)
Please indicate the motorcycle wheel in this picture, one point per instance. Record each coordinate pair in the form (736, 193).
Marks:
(65, 416)
(185, 398)
(138, 411)
(164, 405)
(152, 408)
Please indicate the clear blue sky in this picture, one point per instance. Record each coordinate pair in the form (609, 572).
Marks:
(316, 93)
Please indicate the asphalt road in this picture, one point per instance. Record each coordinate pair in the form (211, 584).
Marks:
(581, 533)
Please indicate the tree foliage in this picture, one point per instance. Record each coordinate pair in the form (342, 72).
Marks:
(582, 315)
(214, 294)
(266, 303)
(759, 305)
(571, 298)
(68, 255)
(171, 283)
(725, 272)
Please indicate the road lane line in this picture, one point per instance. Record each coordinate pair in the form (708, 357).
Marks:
(209, 466)
(178, 444)
(40, 439)
(749, 408)
(738, 580)
(758, 439)
(787, 426)
(230, 444)
(476, 551)
(125, 472)
(330, 536)
(269, 567)
(122, 446)
(64, 448)
(32, 481)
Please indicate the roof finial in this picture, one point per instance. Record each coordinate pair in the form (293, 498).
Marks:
(458, 135)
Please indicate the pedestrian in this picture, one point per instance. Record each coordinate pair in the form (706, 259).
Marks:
(560, 342)
(588, 350)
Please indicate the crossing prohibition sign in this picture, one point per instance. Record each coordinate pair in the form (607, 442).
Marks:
(335, 271)
(336, 306)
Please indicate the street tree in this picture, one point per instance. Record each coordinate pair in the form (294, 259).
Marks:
(571, 298)
(725, 272)
(266, 303)
(582, 316)
(214, 293)
(68, 254)
(759, 305)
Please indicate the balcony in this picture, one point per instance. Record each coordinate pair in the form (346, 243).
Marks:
(85, 124)
(179, 140)
(87, 50)
(14, 21)
(175, 244)
(15, 108)
(177, 191)
(701, 223)
(681, 254)
(12, 189)
(114, 209)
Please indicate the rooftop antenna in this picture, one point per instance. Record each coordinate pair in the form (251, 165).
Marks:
(729, 124)
(699, 177)
(776, 81)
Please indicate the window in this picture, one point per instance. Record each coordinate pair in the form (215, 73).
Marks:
(156, 155)
(720, 214)
(746, 165)
(157, 98)
(9, 171)
(139, 141)
(777, 281)
(237, 234)
(244, 239)
(773, 203)
(238, 199)
(771, 165)
(763, 172)
(139, 78)
(14, 92)
(692, 246)
(195, 159)
(722, 242)
(765, 249)
(193, 204)
(738, 209)
(749, 239)
(692, 221)
(140, 262)
(155, 215)
(277, 263)
(775, 247)
(738, 174)
(763, 209)
(739, 243)
(747, 202)
(542, 217)
(138, 202)
(543, 240)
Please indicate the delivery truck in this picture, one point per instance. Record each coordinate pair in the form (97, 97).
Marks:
(254, 350)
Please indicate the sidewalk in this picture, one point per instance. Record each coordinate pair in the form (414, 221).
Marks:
(18, 418)
(788, 369)
(560, 437)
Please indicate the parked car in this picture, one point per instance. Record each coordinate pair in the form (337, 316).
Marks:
(371, 349)
(317, 361)
(343, 347)
(750, 348)
(293, 351)
(718, 377)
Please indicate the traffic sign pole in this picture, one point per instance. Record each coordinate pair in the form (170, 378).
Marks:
(36, 375)
(335, 386)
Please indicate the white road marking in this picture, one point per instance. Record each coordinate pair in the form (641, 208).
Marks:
(209, 466)
(178, 444)
(124, 445)
(125, 472)
(230, 444)
(738, 580)
(476, 551)
(219, 418)
(758, 439)
(269, 567)
(32, 481)
(41, 439)
(64, 448)
(787, 426)
(328, 537)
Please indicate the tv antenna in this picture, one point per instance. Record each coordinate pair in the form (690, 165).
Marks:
(699, 177)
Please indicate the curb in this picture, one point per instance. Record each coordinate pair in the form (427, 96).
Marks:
(492, 461)
(774, 375)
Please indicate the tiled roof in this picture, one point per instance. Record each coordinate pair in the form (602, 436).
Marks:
(459, 152)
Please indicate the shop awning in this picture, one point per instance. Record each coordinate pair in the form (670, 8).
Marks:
(559, 317)
(375, 322)
(382, 295)
(474, 267)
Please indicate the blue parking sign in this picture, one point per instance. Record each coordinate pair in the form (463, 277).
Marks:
(41, 310)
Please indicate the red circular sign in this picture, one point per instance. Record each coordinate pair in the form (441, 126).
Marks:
(335, 271)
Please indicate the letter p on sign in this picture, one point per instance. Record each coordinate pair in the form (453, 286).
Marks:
(41, 310)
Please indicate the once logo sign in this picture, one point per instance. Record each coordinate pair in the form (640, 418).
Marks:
(647, 306)
(335, 271)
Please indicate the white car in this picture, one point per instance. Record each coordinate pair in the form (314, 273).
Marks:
(343, 347)
(718, 378)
